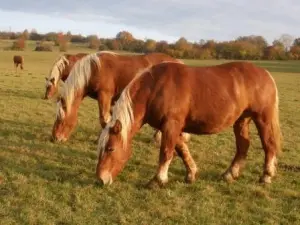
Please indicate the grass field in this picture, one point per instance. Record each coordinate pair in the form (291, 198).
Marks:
(49, 183)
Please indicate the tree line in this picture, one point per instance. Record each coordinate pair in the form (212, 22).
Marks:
(242, 48)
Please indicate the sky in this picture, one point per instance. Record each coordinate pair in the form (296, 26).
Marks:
(156, 19)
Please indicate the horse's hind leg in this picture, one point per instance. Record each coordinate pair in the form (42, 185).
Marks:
(191, 168)
(264, 128)
(241, 132)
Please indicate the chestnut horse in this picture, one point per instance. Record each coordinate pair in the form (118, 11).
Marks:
(175, 98)
(101, 76)
(18, 60)
(60, 71)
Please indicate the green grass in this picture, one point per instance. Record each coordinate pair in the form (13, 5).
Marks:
(48, 183)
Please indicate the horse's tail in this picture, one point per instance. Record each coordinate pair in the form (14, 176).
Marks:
(275, 125)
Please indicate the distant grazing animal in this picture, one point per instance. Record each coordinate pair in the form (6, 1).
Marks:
(176, 98)
(60, 71)
(18, 60)
(101, 76)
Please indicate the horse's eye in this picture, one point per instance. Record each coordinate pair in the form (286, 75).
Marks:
(110, 149)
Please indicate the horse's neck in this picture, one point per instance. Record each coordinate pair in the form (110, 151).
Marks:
(64, 76)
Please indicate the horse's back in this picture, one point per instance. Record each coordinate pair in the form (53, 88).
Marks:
(155, 58)
(18, 59)
(211, 98)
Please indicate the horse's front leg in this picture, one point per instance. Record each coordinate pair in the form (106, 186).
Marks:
(170, 134)
(104, 104)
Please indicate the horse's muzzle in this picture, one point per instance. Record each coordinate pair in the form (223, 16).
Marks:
(105, 178)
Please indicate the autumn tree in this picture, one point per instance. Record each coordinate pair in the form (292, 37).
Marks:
(93, 41)
(162, 46)
(258, 41)
(150, 45)
(286, 40)
(43, 46)
(275, 51)
(18, 44)
(61, 41)
(125, 38)
(296, 42)
(25, 34)
(34, 35)
(295, 52)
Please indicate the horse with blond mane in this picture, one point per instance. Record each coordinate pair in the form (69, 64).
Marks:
(60, 71)
(175, 98)
(101, 76)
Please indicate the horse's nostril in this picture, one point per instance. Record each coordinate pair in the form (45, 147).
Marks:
(99, 183)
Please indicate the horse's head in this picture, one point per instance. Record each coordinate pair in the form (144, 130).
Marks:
(50, 87)
(60, 70)
(114, 152)
(66, 120)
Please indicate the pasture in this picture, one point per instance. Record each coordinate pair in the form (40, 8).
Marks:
(50, 183)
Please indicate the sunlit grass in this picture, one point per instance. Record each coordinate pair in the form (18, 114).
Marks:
(47, 183)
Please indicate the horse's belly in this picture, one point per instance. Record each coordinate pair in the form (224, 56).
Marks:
(210, 124)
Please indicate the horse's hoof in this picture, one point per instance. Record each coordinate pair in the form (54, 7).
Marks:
(265, 179)
(191, 177)
(155, 183)
(228, 177)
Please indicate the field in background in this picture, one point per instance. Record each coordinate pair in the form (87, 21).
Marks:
(48, 183)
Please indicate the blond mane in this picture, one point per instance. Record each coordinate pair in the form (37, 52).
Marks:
(56, 71)
(122, 111)
(78, 78)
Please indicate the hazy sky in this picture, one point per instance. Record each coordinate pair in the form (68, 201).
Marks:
(157, 19)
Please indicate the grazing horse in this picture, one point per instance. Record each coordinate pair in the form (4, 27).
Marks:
(175, 98)
(18, 60)
(101, 76)
(60, 70)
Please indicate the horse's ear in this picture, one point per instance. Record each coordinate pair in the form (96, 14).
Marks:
(46, 78)
(52, 80)
(116, 129)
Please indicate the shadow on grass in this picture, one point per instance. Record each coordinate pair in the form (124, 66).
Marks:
(23, 94)
(26, 149)
(63, 166)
